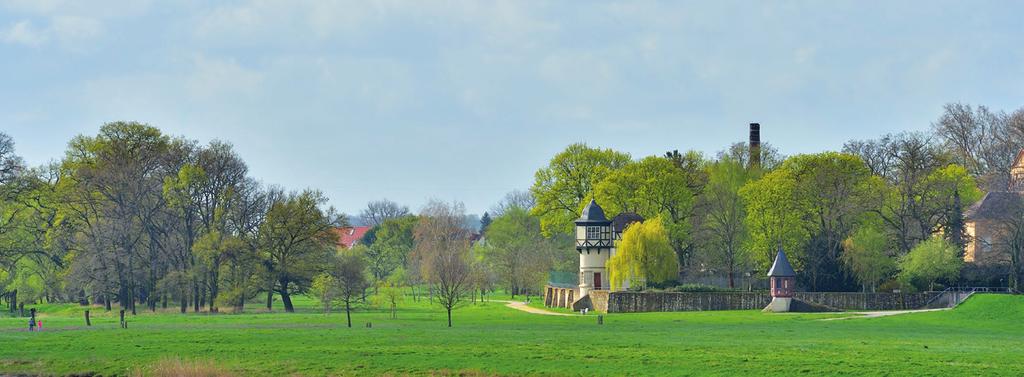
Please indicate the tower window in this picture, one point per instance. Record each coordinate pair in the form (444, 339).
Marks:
(593, 232)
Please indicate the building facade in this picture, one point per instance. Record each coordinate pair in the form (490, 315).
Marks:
(989, 221)
(595, 242)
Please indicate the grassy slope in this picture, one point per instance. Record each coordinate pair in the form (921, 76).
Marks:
(982, 337)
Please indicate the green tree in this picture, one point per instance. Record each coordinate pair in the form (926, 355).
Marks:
(930, 262)
(775, 218)
(348, 271)
(391, 293)
(643, 256)
(653, 187)
(866, 255)
(485, 221)
(560, 189)
(809, 205)
(725, 212)
(517, 251)
(298, 238)
(322, 289)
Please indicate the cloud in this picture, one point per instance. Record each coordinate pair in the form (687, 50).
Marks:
(68, 31)
(23, 33)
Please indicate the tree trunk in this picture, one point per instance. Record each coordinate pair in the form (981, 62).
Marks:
(195, 296)
(270, 300)
(348, 312)
(449, 317)
(286, 299)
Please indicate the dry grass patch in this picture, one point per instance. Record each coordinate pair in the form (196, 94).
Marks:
(175, 367)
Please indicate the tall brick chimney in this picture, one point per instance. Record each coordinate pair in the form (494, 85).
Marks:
(755, 145)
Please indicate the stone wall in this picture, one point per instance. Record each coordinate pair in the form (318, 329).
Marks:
(560, 297)
(868, 301)
(599, 301)
(631, 302)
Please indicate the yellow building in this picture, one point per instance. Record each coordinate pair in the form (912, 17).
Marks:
(995, 214)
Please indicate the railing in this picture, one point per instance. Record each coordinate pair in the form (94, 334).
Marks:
(969, 292)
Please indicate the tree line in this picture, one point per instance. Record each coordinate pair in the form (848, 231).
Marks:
(134, 217)
(864, 217)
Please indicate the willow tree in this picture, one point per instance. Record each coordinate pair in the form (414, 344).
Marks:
(643, 256)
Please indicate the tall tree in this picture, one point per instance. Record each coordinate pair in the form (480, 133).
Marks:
(570, 177)
(485, 221)
(348, 270)
(514, 199)
(654, 187)
(725, 213)
(442, 252)
(379, 211)
(517, 251)
(867, 256)
(983, 141)
(10, 163)
(297, 238)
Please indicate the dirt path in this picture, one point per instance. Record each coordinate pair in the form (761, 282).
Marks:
(518, 305)
(884, 313)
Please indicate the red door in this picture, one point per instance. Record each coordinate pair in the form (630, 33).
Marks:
(597, 281)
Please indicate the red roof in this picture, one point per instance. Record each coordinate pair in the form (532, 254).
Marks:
(349, 236)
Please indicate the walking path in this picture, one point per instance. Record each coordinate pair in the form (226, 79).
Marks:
(884, 313)
(519, 305)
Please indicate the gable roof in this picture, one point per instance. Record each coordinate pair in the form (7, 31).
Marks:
(781, 267)
(350, 235)
(995, 205)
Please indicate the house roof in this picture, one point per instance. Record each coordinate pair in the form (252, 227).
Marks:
(622, 220)
(781, 267)
(592, 213)
(350, 235)
(994, 205)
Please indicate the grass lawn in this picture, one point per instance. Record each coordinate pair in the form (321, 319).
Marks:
(981, 337)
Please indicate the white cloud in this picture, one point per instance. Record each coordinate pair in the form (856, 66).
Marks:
(68, 31)
(22, 32)
(212, 78)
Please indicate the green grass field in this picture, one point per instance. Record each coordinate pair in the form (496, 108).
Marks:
(983, 336)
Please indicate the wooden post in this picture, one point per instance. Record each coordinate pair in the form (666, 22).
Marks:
(87, 322)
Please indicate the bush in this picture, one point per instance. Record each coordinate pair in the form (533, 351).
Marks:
(931, 262)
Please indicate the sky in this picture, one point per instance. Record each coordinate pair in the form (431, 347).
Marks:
(465, 100)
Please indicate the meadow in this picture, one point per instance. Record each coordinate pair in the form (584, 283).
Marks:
(981, 337)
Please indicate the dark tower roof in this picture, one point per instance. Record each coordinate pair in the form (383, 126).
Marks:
(781, 267)
(622, 220)
(592, 213)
